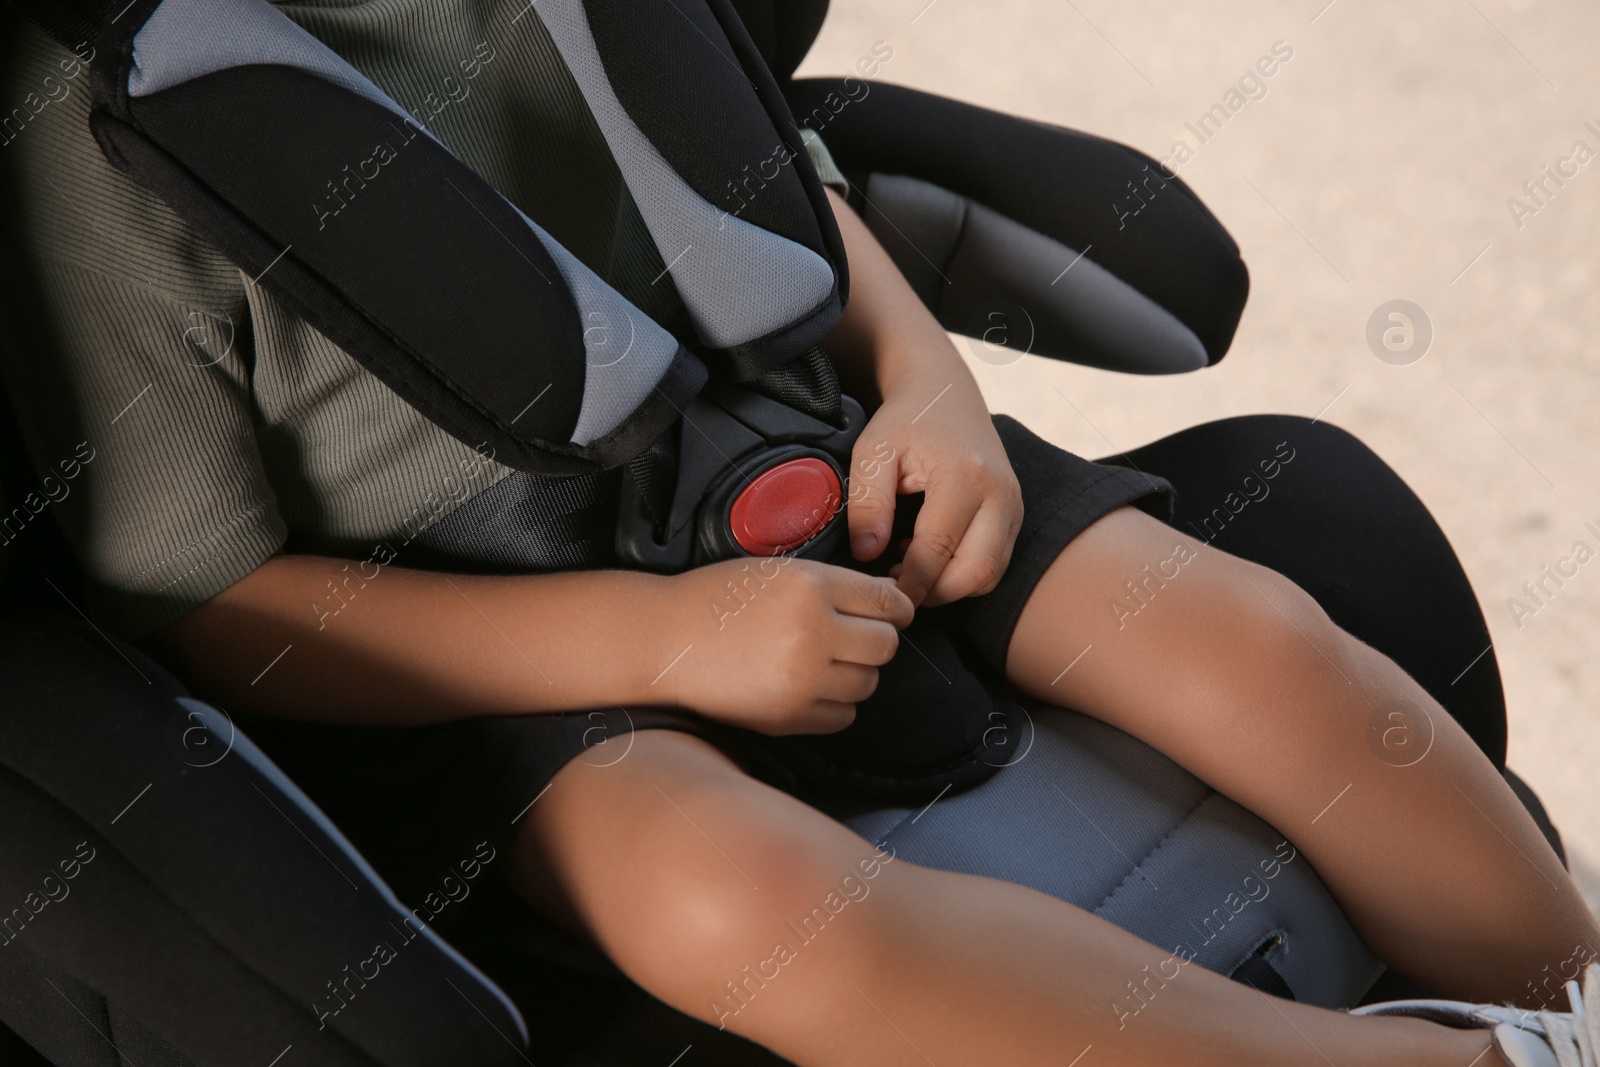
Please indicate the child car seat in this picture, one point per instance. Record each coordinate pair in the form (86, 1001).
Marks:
(212, 903)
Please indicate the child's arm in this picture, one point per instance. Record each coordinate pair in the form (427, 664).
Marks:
(934, 427)
(792, 654)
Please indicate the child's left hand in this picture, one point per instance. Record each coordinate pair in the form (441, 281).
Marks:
(933, 435)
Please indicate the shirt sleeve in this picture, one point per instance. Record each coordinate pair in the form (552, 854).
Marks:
(822, 160)
(141, 418)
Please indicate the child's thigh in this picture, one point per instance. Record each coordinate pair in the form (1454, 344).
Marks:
(1154, 631)
(680, 866)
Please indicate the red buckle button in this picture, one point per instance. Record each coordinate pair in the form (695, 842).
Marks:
(785, 506)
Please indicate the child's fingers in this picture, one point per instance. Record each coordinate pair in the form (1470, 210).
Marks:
(865, 642)
(980, 559)
(873, 598)
(947, 510)
(870, 507)
(848, 683)
(821, 717)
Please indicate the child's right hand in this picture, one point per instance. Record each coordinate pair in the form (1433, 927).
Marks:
(779, 645)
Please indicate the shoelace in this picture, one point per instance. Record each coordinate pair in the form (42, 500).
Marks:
(1522, 1038)
(1572, 1037)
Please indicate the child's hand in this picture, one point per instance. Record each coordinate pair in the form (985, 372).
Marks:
(779, 645)
(933, 435)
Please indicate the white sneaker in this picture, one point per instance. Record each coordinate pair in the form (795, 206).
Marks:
(1522, 1038)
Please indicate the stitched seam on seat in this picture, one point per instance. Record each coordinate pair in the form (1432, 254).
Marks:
(1180, 824)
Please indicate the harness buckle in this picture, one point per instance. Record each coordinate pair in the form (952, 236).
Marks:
(740, 475)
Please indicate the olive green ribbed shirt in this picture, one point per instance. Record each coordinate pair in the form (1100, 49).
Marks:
(222, 426)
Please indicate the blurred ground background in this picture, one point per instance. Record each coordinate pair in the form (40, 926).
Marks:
(1377, 167)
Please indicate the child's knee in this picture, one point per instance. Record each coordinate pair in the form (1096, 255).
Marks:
(1267, 634)
(717, 945)
(716, 883)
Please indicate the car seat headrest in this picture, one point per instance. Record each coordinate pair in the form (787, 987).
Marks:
(783, 30)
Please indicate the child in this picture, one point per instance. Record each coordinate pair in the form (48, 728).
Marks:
(246, 461)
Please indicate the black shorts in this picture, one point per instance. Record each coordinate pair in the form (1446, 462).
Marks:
(416, 800)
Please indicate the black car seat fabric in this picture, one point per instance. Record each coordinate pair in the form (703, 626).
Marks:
(783, 31)
(194, 855)
(1007, 226)
(1340, 523)
(984, 274)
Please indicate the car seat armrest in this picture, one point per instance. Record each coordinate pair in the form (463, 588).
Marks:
(1030, 237)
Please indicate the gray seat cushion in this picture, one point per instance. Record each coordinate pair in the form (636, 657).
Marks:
(1101, 820)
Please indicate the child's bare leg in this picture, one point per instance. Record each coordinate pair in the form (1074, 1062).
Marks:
(690, 874)
(1236, 674)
